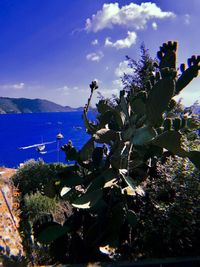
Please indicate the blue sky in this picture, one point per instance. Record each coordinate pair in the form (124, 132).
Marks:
(53, 49)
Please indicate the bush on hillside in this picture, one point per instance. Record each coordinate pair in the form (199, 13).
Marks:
(34, 175)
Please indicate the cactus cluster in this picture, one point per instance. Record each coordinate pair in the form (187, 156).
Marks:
(127, 140)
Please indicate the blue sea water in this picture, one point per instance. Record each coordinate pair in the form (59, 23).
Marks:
(19, 130)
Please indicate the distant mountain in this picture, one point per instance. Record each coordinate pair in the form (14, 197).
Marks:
(25, 105)
(197, 109)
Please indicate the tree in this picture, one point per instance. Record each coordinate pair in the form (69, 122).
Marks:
(143, 70)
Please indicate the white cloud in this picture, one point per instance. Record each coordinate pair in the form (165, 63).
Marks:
(64, 90)
(122, 43)
(95, 42)
(131, 16)
(154, 25)
(15, 86)
(188, 97)
(109, 92)
(97, 81)
(18, 86)
(118, 83)
(123, 68)
(187, 19)
(95, 56)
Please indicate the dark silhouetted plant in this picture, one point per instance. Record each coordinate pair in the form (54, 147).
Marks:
(123, 194)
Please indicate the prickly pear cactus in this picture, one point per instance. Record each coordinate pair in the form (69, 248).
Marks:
(127, 140)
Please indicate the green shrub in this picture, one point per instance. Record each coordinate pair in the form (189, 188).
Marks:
(38, 204)
(34, 175)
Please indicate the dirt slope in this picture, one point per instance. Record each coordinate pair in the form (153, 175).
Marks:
(10, 240)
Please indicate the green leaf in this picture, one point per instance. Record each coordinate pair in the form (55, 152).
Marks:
(138, 106)
(143, 135)
(114, 225)
(96, 183)
(88, 125)
(88, 200)
(103, 106)
(120, 117)
(110, 183)
(51, 232)
(128, 179)
(124, 106)
(104, 136)
(127, 134)
(72, 154)
(71, 179)
(105, 179)
(64, 191)
(194, 156)
(105, 118)
(186, 77)
(110, 178)
(131, 218)
(119, 158)
(159, 98)
(86, 151)
(70, 195)
(171, 140)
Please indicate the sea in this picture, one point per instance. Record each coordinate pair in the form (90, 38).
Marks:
(19, 131)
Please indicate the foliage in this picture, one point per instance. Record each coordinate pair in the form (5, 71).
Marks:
(122, 186)
(169, 212)
(38, 204)
(34, 175)
(142, 71)
(31, 180)
(12, 261)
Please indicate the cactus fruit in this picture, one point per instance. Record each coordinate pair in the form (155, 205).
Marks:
(182, 67)
(184, 123)
(93, 85)
(70, 150)
(175, 46)
(193, 58)
(172, 104)
(189, 62)
(167, 124)
(158, 76)
(159, 55)
(177, 124)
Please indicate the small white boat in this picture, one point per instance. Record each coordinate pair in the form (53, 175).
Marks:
(39, 147)
(59, 136)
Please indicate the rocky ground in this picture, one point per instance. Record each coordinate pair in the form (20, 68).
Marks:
(10, 240)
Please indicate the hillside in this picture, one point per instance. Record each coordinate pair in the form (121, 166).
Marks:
(24, 105)
(197, 109)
